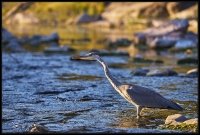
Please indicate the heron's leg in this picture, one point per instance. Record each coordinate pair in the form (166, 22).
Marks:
(139, 109)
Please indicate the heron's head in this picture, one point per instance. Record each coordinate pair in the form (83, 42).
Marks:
(90, 56)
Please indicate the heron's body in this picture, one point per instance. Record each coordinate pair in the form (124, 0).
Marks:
(139, 96)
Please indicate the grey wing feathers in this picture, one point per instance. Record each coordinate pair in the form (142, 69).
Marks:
(148, 98)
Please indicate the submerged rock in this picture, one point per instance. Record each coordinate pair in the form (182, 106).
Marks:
(140, 72)
(35, 128)
(167, 72)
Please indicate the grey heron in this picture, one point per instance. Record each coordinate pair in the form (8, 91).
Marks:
(139, 96)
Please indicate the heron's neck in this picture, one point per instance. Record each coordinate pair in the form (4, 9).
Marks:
(110, 78)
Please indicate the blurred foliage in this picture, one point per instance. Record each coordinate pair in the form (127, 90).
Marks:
(59, 11)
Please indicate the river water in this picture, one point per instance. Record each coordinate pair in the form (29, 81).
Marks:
(74, 96)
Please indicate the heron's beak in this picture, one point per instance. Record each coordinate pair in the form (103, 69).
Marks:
(90, 58)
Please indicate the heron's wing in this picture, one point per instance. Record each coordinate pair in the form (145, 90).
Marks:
(148, 98)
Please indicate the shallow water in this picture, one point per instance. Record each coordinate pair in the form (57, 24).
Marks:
(74, 96)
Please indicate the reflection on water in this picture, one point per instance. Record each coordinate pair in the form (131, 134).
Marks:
(80, 38)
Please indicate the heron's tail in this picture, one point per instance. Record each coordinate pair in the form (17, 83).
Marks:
(175, 106)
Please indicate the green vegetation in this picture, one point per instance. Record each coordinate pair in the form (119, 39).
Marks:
(59, 11)
(181, 127)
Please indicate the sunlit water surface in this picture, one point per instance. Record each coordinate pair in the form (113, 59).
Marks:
(74, 96)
